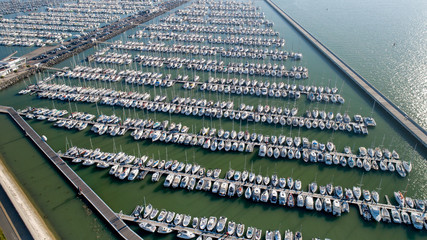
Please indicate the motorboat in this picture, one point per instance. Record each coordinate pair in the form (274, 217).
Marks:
(185, 234)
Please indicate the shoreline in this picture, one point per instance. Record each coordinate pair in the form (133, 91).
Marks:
(27, 211)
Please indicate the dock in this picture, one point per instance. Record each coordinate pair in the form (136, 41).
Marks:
(410, 125)
(245, 184)
(84, 190)
(148, 130)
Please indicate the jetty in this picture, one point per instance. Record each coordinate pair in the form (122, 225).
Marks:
(410, 125)
(84, 190)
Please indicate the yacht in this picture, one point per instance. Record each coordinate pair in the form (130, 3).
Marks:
(185, 234)
(221, 224)
(399, 198)
(211, 223)
(375, 212)
(231, 228)
(147, 227)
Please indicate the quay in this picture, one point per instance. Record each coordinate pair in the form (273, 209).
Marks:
(410, 125)
(84, 190)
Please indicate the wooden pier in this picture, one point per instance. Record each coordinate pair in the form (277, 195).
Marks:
(84, 190)
(410, 125)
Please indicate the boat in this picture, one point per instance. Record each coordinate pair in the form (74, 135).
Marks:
(357, 192)
(185, 234)
(318, 204)
(240, 229)
(170, 216)
(162, 216)
(313, 187)
(250, 232)
(154, 213)
(300, 200)
(417, 220)
(399, 198)
(178, 219)
(375, 196)
(195, 222)
(164, 230)
(385, 215)
(221, 224)
(420, 204)
(405, 217)
(231, 228)
(400, 169)
(309, 204)
(211, 223)
(203, 223)
(264, 196)
(375, 212)
(147, 227)
(147, 210)
(327, 205)
(186, 220)
(367, 195)
(396, 216)
(336, 208)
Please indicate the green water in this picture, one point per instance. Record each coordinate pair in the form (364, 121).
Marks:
(71, 219)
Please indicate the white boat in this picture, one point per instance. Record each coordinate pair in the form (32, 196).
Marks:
(185, 234)
(417, 220)
(240, 229)
(147, 227)
(211, 223)
(336, 208)
(164, 230)
(357, 192)
(231, 228)
(399, 198)
(318, 204)
(375, 212)
(221, 224)
(396, 216)
(309, 204)
(248, 192)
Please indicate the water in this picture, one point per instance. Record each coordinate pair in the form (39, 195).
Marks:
(72, 220)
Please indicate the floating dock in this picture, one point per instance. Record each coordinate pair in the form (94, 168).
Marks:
(410, 125)
(84, 190)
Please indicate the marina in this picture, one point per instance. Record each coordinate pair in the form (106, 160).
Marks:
(202, 108)
(242, 141)
(216, 119)
(284, 192)
(220, 85)
(203, 227)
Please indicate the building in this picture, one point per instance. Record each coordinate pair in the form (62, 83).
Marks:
(11, 64)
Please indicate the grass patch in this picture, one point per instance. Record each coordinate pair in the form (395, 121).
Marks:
(2, 237)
